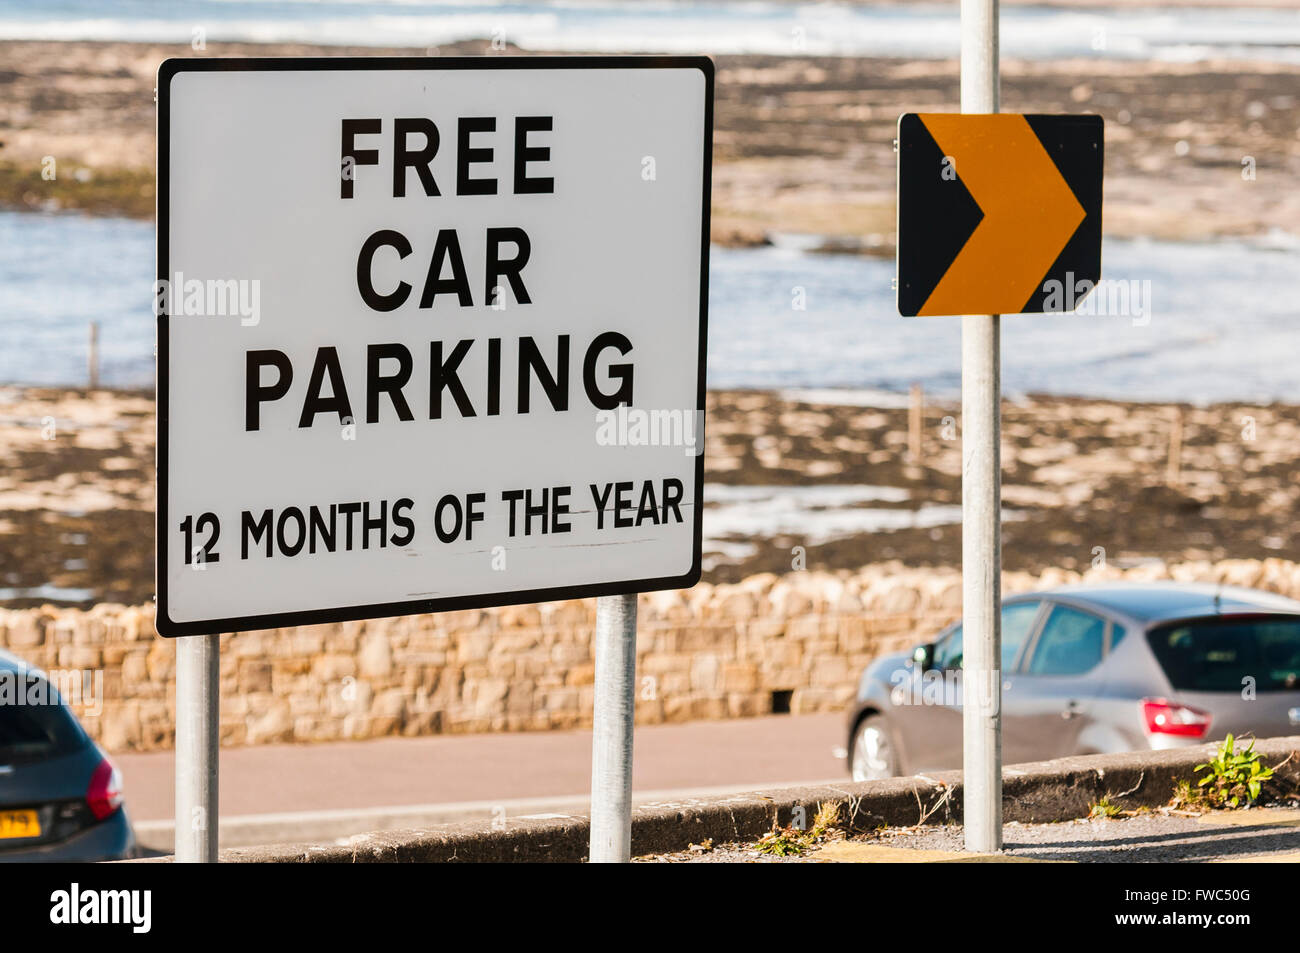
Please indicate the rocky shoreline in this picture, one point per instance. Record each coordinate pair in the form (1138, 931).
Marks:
(792, 481)
(802, 144)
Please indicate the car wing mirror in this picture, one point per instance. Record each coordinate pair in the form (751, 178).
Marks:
(923, 656)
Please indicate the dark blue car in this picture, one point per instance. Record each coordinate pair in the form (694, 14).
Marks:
(60, 796)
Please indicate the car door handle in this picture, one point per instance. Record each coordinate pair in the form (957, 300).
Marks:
(1072, 710)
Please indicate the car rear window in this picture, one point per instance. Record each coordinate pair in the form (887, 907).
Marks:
(1219, 655)
(34, 724)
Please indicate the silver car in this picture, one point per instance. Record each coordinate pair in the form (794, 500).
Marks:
(1093, 669)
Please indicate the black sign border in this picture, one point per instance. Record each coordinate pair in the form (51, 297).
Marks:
(170, 68)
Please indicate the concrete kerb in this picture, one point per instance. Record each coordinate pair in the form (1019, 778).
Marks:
(1037, 792)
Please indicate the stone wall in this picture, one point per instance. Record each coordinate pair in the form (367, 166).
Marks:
(799, 640)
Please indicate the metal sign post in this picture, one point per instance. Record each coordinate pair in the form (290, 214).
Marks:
(997, 214)
(198, 694)
(611, 744)
(981, 493)
(429, 419)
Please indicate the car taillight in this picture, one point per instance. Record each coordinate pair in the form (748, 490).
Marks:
(104, 796)
(1164, 717)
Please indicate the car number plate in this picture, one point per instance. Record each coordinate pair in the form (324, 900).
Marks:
(19, 824)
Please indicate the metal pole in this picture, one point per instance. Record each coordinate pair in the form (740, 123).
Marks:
(981, 493)
(1174, 464)
(611, 745)
(198, 692)
(915, 421)
(92, 357)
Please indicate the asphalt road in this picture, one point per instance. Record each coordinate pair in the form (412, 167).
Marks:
(465, 769)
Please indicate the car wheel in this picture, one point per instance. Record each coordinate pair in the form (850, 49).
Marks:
(873, 756)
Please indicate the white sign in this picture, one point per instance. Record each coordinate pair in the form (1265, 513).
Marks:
(431, 333)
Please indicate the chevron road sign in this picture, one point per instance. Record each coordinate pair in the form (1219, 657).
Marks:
(997, 214)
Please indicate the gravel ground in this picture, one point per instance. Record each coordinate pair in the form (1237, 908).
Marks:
(724, 854)
(1151, 838)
